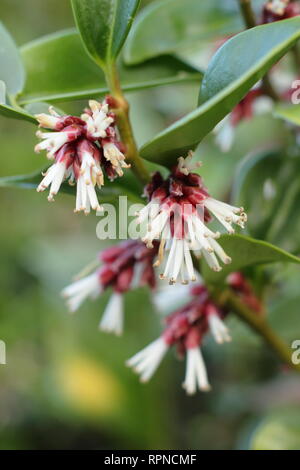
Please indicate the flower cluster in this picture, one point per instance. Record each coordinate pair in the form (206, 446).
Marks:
(124, 266)
(276, 10)
(178, 212)
(83, 149)
(185, 330)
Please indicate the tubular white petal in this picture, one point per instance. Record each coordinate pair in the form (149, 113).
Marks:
(170, 260)
(189, 262)
(86, 196)
(219, 251)
(178, 259)
(58, 179)
(80, 290)
(218, 328)
(196, 374)
(113, 316)
(211, 260)
(147, 361)
(54, 176)
(47, 121)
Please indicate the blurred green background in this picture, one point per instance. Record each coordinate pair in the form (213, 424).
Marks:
(65, 385)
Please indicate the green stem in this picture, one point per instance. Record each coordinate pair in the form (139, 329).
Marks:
(14, 103)
(248, 13)
(250, 22)
(124, 125)
(259, 325)
(296, 56)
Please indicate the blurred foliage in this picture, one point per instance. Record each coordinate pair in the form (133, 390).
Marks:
(65, 384)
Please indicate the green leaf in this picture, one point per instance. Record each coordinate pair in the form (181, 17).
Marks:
(2, 92)
(11, 68)
(126, 186)
(275, 200)
(104, 26)
(180, 23)
(40, 107)
(288, 112)
(8, 111)
(52, 64)
(246, 251)
(233, 70)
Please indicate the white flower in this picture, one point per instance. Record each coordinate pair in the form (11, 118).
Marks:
(196, 375)
(78, 291)
(226, 214)
(179, 262)
(113, 316)
(49, 121)
(90, 175)
(55, 175)
(147, 361)
(198, 238)
(52, 142)
(218, 328)
(98, 122)
(115, 157)
(186, 165)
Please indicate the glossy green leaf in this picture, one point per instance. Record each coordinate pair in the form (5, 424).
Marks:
(288, 112)
(11, 68)
(125, 186)
(275, 200)
(2, 92)
(104, 25)
(233, 70)
(246, 251)
(52, 64)
(245, 168)
(10, 112)
(180, 23)
(41, 107)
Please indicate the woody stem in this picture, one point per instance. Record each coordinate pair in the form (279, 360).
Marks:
(258, 323)
(250, 22)
(124, 125)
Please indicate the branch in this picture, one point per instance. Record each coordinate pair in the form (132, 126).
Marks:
(250, 22)
(124, 125)
(248, 13)
(258, 323)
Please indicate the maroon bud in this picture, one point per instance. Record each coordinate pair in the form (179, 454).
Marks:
(106, 275)
(74, 131)
(89, 147)
(124, 279)
(175, 188)
(112, 102)
(110, 254)
(199, 289)
(66, 153)
(193, 338)
(66, 121)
